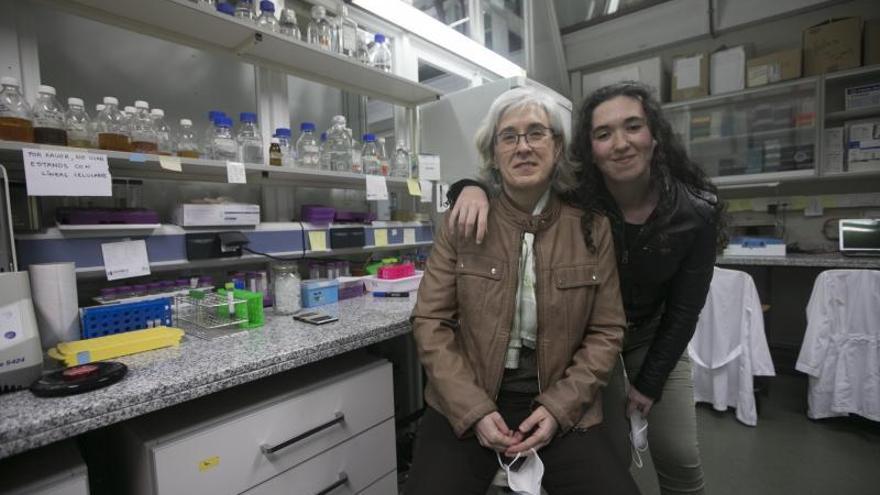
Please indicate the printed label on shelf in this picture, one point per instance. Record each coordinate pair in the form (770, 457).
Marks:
(377, 189)
(380, 237)
(317, 240)
(409, 236)
(413, 186)
(235, 173)
(429, 167)
(125, 259)
(171, 163)
(55, 172)
(427, 191)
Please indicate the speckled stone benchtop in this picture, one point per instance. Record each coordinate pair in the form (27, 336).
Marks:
(165, 377)
(828, 260)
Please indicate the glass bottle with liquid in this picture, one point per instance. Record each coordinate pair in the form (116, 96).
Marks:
(93, 127)
(380, 54)
(338, 147)
(287, 25)
(244, 10)
(267, 18)
(128, 112)
(16, 119)
(209, 132)
(370, 159)
(324, 161)
(401, 165)
(144, 138)
(364, 40)
(49, 118)
(384, 163)
(357, 165)
(249, 138)
(78, 124)
(308, 153)
(275, 155)
(112, 128)
(187, 143)
(163, 132)
(284, 138)
(320, 32)
(346, 32)
(223, 146)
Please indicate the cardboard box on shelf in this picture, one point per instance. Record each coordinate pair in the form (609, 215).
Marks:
(872, 42)
(833, 45)
(727, 70)
(648, 72)
(690, 77)
(774, 67)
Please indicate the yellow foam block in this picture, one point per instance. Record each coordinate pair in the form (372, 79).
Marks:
(113, 346)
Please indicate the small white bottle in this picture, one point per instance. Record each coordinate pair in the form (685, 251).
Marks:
(267, 18)
(320, 32)
(163, 132)
(78, 124)
(187, 143)
(380, 55)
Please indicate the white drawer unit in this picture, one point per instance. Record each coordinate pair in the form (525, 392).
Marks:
(347, 469)
(241, 437)
(55, 469)
(385, 486)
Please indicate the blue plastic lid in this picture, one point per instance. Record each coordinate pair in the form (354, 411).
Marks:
(282, 131)
(213, 114)
(223, 121)
(323, 136)
(379, 38)
(369, 138)
(226, 8)
(307, 126)
(267, 6)
(248, 117)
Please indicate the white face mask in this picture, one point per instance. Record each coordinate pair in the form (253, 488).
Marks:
(527, 479)
(638, 435)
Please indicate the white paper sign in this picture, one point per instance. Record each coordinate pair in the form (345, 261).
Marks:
(376, 188)
(442, 203)
(427, 191)
(429, 167)
(66, 173)
(235, 173)
(171, 163)
(125, 259)
(409, 236)
(687, 72)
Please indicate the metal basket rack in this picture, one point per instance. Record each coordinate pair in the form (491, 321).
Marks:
(208, 311)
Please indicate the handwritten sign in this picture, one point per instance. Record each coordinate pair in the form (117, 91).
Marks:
(66, 173)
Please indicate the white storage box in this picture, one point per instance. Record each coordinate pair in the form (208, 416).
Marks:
(405, 284)
(219, 215)
(648, 72)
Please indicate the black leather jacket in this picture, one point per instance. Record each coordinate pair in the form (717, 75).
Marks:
(665, 273)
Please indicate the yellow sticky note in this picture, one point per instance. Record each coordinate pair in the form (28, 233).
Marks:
(735, 205)
(381, 236)
(798, 203)
(413, 186)
(317, 240)
(171, 163)
(209, 463)
(409, 236)
(828, 202)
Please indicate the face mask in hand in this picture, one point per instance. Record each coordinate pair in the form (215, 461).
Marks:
(527, 479)
(638, 435)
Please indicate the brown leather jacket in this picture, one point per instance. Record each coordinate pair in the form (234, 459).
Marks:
(465, 308)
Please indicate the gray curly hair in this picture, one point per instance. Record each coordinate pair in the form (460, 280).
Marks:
(564, 173)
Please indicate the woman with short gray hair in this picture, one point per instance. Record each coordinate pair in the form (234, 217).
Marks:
(518, 334)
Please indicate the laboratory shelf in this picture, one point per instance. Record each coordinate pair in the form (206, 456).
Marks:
(200, 26)
(142, 166)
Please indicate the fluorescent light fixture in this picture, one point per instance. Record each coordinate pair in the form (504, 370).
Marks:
(424, 26)
(748, 186)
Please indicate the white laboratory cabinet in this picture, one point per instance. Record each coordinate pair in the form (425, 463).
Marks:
(56, 469)
(322, 428)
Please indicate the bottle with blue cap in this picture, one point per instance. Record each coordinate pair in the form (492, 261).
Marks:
(380, 54)
(223, 146)
(250, 141)
(338, 147)
(283, 134)
(308, 153)
(208, 145)
(226, 8)
(370, 158)
(267, 18)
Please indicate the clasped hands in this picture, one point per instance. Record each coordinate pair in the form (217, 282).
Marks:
(534, 432)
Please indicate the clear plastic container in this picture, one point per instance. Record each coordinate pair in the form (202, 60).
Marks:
(267, 18)
(380, 54)
(287, 25)
(338, 147)
(249, 138)
(93, 126)
(275, 155)
(78, 124)
(128, 113)
(244, 10)
(384, 162)
(49, 125)
(370, 159)
(346, 33)
(357, 165)
(320, 31)
(223, 146)
(144, 138)
(284, 139)
(324, 161)
(187, 144)
(364, 39)
(401, 165)
(163, 132)
(286, 288)
(208, 141)
(308, 152)
(112, 128)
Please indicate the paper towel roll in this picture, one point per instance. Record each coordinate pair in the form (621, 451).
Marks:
(53, 287)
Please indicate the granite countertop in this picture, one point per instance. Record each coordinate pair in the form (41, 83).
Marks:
(165, 377)
(826, 260)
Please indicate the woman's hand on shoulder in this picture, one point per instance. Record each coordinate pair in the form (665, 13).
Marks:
(470, 214)
(537, 430)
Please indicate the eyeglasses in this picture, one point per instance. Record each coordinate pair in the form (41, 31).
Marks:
(536, 137)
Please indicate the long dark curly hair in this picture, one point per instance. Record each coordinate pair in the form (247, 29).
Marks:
(670, 160)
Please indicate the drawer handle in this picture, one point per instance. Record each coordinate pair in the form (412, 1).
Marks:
(343, 480)
(271, 449)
